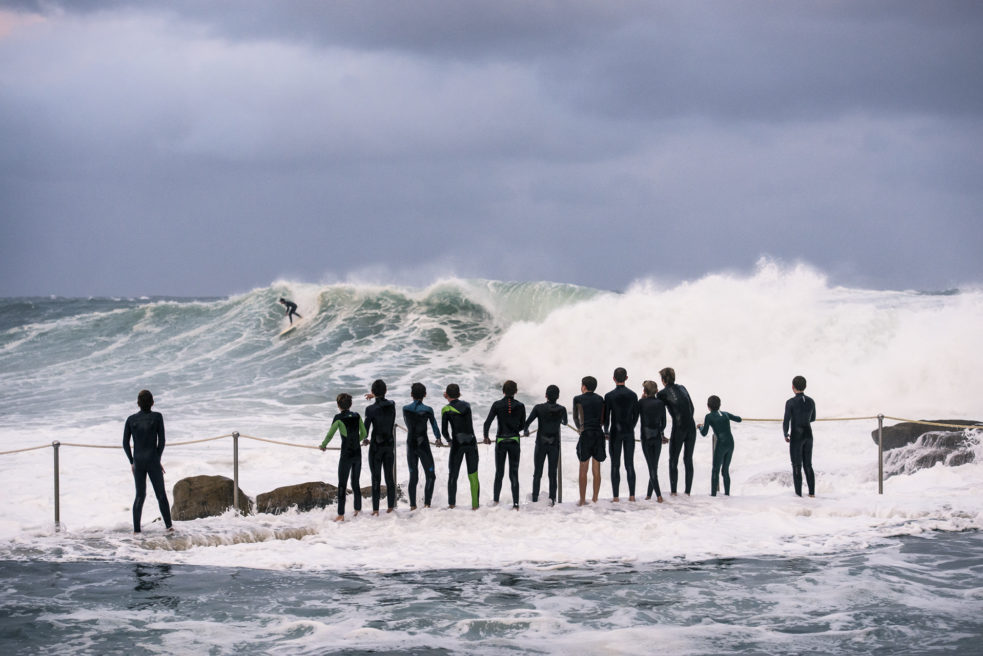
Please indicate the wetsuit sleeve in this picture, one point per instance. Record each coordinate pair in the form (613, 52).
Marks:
(813, 417)
(532, 418)
(605, 415)
(635, 412)
(433, 425)
(563, 419)
(335, 427)
(488, 420)
(733, 417)
(522, 416)
(160, 436)
(127, 434)
(369, 418)
(706, 426)
(445, 421)
(788, 417)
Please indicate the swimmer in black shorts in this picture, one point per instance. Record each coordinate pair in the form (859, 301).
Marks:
(588, 411)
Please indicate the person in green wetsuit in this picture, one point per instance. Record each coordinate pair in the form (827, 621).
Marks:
(456, 416)
(720, 423)
(352, 430)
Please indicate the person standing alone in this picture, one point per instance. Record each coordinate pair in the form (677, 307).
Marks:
(146, 428)
(800, 412)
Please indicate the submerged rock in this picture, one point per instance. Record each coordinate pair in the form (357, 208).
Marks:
(303, 496)
(205, 496)
(951, 448)
(907, 432)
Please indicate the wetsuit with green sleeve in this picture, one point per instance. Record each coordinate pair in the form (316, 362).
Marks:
(683, 435)
(511, 416)
(417, 416)
(652, 413)
(380, 422)
(719, 421)
(620, 417)
(550, 417)
(457, 427)
(146, 429)
(349, 425)
(800, 412)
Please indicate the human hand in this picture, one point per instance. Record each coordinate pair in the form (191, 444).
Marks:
(322, 447)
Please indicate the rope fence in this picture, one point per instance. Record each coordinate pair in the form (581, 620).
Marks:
(235, 435)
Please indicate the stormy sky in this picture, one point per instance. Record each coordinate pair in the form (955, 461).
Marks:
(206, 148)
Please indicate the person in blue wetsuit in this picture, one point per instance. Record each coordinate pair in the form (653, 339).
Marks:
(380, 423)
(417, 416)
(683, 435)
(291, 309)
(723, 450)
(511, 416)
(550, 416)
(349, 425)
(457, 426)
(652, 413)
(800, 412)
(588, 412)
(146, 429)
(620, 417)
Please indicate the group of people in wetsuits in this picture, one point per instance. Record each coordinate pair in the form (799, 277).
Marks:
(609, 420)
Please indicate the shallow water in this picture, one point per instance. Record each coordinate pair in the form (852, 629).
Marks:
(909, 595)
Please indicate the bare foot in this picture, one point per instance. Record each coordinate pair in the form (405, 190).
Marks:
(474, 507)
(581, 503)
(427, 506)
(672, 494)
(615, 500)
(170, 529)
(339, 518)
(632, 499)
(451, 507)
(659, 499)
(812, 496)
(515, 507)
(593, 500)
(355, 514)
(375, 513)
(647, 498)
(389, 510)
(412, 507)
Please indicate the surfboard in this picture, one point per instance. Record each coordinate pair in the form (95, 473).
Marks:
(289, 328)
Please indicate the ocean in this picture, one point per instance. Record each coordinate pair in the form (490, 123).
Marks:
(762, 571)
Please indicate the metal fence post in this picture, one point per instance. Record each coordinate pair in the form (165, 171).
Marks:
(559, 470)
(880, 454)
(57, 444)
(235, 471)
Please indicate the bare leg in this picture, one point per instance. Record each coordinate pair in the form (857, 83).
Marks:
(596, 471)
(583, 484)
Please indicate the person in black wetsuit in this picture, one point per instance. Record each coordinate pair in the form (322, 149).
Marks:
(683, 435)
(511, 415)
(457, 426)
(147, 430)
(620, 417)
(800, 412)
(352, 430)
(380, 423)
(652, 413)
(291, 309)
(588, 412)
(417, 415)
(550, 416)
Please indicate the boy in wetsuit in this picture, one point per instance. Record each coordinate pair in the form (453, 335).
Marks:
(291, 309)
(724, 448)
(511, 415)
(380, 422)
(456, 416)
(620, 417)
(652, 413)
(352, 430)
(147, 430)
(550, 416)
(800, 412)
(417, 415)
(683, 435)
(588, 412)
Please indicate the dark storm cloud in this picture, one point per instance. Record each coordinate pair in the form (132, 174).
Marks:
(201, 148)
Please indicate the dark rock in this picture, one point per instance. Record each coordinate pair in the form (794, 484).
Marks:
(205, 496)
(907, 432)
(305, 497)
(367, 493)
(951, 448)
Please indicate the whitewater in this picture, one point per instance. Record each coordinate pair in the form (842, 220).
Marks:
(70, 370)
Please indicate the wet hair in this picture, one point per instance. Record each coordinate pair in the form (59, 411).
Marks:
(418, 391)
(589, 382)
(650, 387)
(620, 375)
(713, 403)
(668, 376)
(379, 388)
(453, 390)
(145, 400)
(552, 393)
(509, 388)
(344, 401)
(799, 383)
